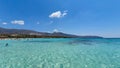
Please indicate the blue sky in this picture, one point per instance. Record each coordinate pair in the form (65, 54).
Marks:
(81, 17)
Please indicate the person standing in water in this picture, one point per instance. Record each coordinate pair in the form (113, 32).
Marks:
(6, 44)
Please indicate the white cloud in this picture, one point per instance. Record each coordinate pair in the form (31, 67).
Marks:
(4, 23)
(55, 30)
(64, 13)
(58, 14)
(19, 22)
(55, 14)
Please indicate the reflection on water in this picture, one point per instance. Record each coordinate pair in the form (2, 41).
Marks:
(94, 41)
(85, 42)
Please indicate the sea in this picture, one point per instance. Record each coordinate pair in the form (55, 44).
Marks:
(60, 53)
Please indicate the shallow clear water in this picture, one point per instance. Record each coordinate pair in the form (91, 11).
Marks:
(60, 53)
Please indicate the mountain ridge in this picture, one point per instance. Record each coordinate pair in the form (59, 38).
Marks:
(19, 33)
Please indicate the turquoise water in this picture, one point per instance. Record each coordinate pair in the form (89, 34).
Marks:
(60, 53)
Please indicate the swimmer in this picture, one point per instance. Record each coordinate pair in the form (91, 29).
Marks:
(6, 44)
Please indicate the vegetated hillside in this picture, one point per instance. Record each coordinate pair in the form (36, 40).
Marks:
(23, 33)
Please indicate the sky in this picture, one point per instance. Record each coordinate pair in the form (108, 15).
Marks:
(80, 17)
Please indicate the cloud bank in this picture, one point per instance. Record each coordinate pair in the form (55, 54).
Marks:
(19, 22)
(4, 23)
(58, 14)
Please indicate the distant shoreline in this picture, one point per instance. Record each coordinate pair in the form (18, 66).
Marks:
(23, 33)
(37, 36)
(30, 38)
(83, 37)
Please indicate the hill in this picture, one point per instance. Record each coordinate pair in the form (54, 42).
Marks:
(23, 33)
